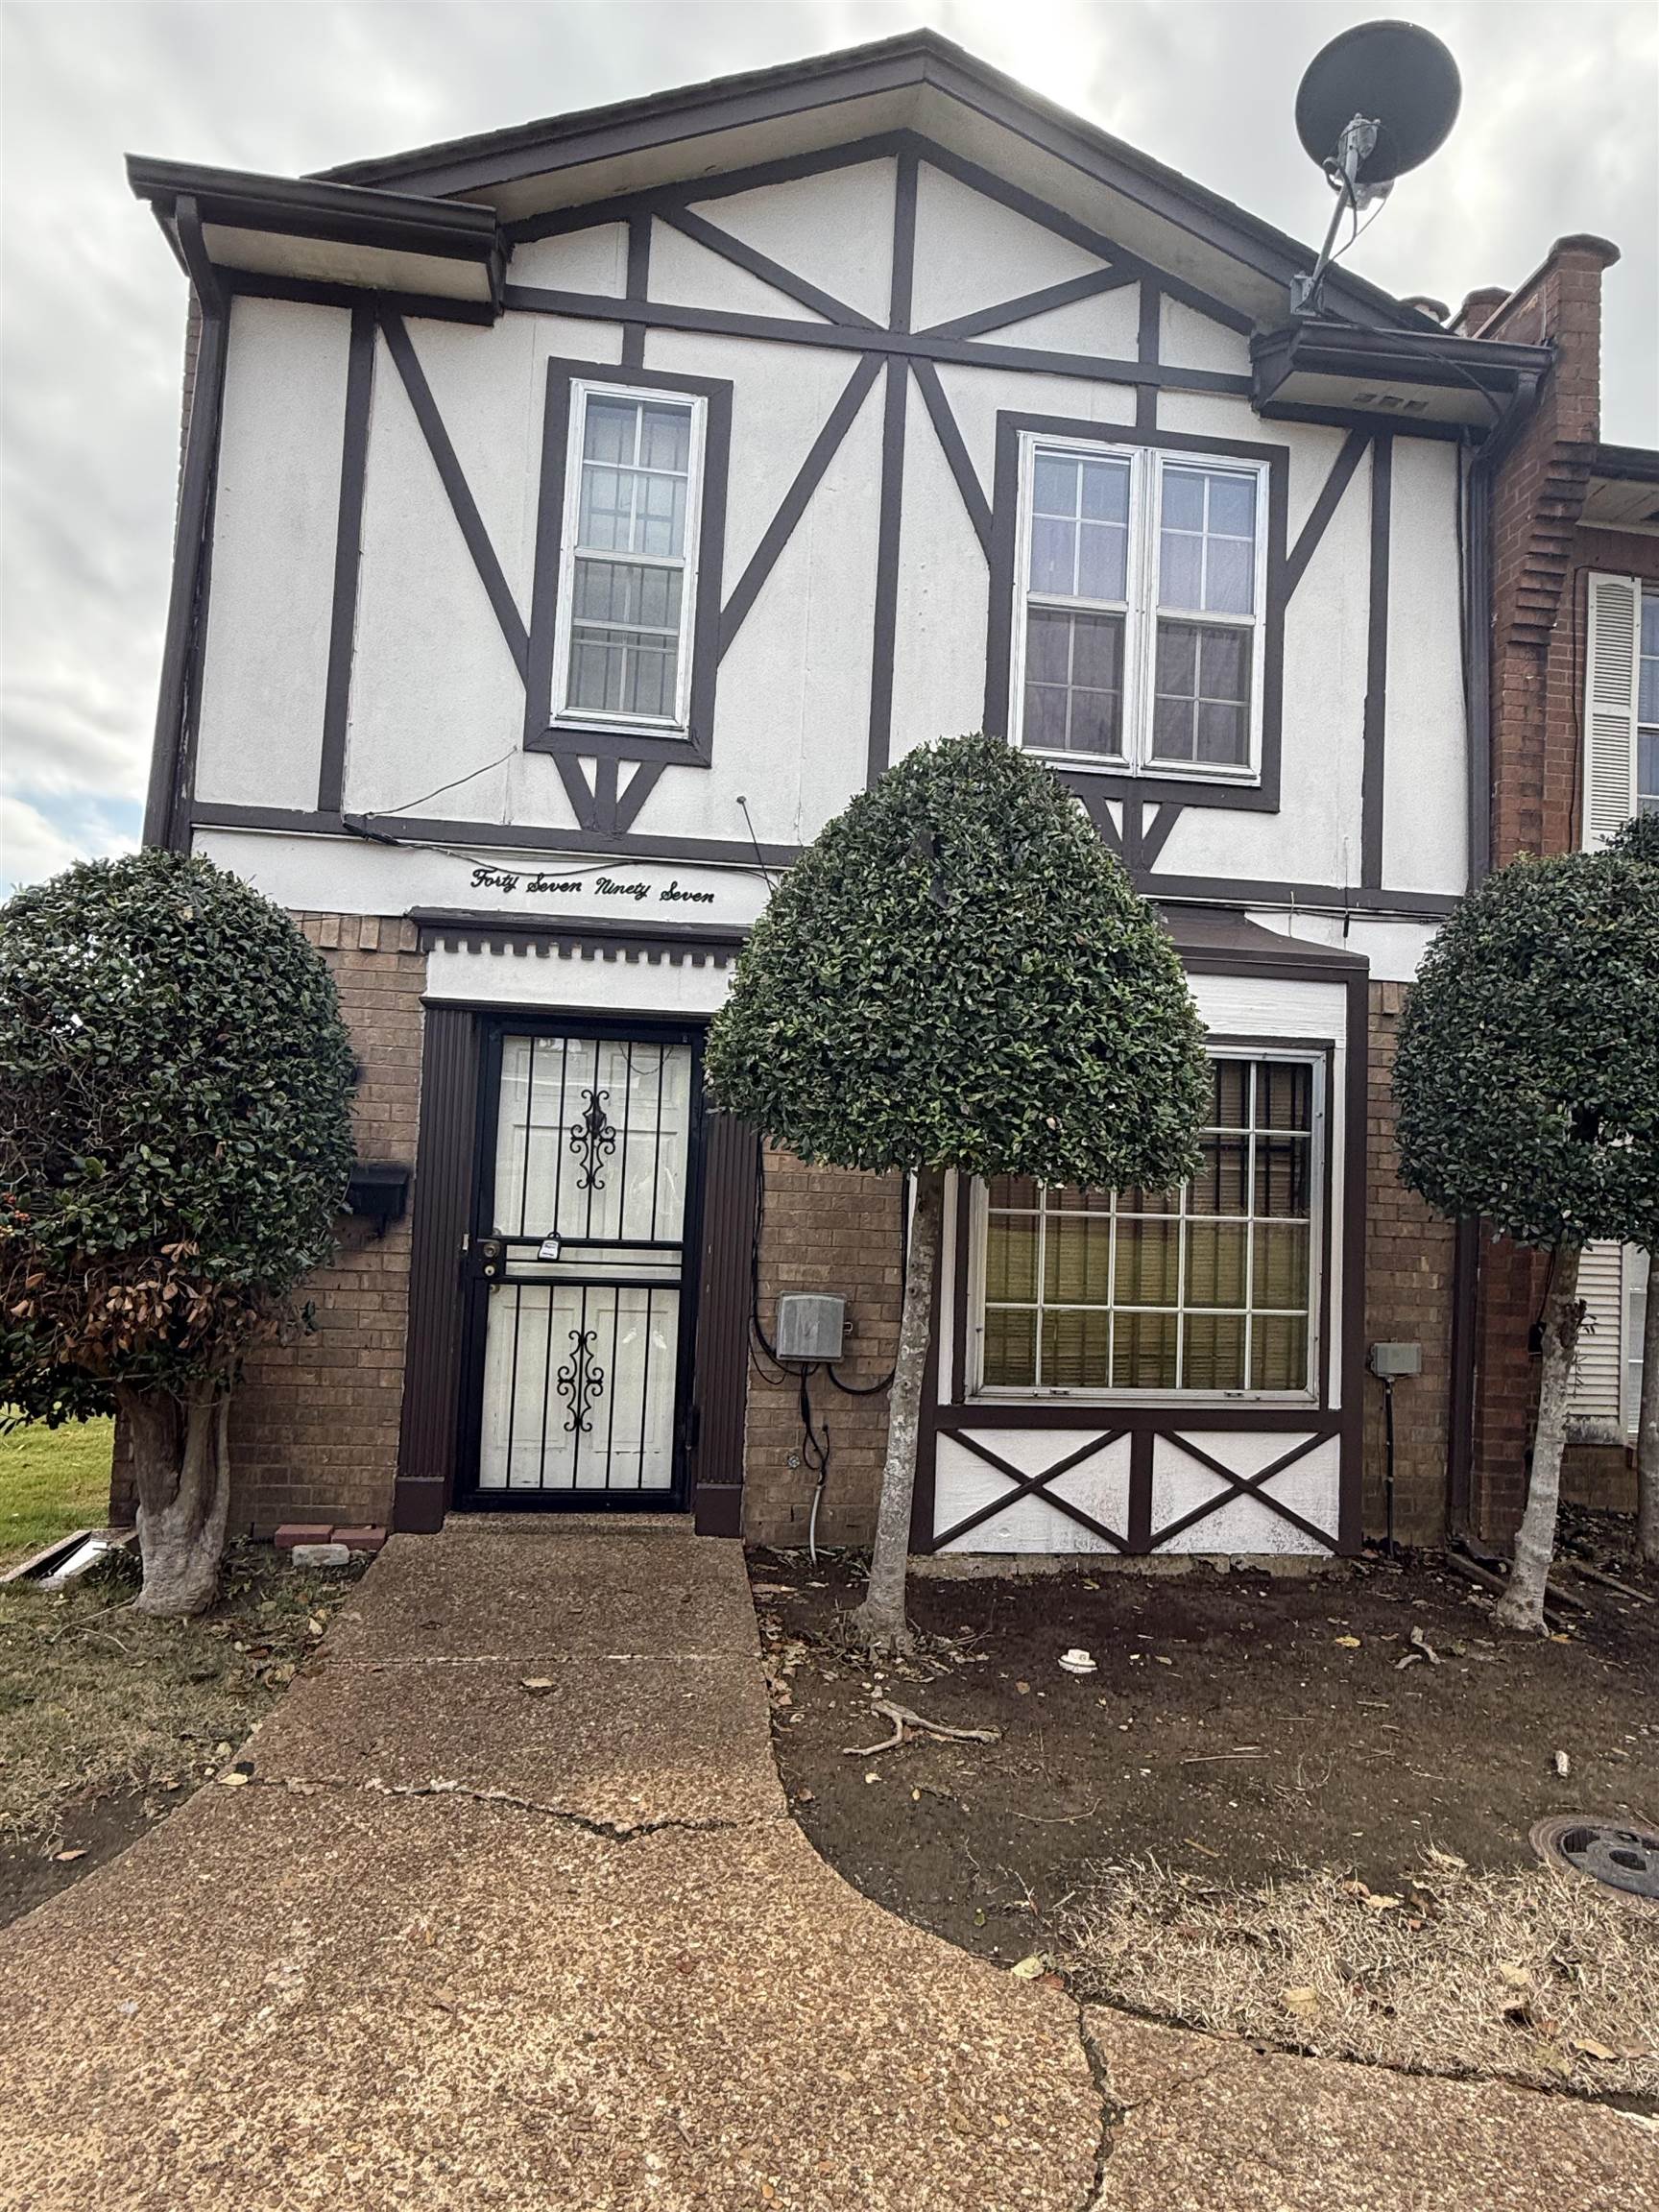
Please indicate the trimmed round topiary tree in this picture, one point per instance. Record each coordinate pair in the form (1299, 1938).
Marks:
(1639, 840)
(1526, 1078)
(956, 974)
(174, 1144)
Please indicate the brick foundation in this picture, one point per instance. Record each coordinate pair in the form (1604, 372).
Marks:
(314, 1424)
(824, 1229)
(1407, 1296)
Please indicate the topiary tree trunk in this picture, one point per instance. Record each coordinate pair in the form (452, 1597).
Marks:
(181, 1471)
(880, 1621)
(1521, 1606)
(1648, 1426)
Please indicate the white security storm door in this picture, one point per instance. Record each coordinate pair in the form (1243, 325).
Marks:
(580, 1329)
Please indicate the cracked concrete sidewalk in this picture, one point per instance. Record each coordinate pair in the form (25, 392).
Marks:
(469, 1943)
(464, 1944)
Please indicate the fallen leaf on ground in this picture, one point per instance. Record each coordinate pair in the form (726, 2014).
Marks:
(1028, 1969)
(64, 1857)
(1348, 1642)
(535, 1681)
(1304, 2000)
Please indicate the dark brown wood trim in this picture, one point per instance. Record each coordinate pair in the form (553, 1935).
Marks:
(348, 551)
(1088, 286)
(566, 737)
(1338, 480)
(721, 1371)
(1154, 839)
(167, 799)
(1245, 1486)
(1149, 326)
(796, 500)
(637, 289)
(461, 504)
(905, 346)
(955, 451)
(1374, 773)
(1355, 1213)
(702, 232)
(885, 626)
(695, 942)
(1165, 1417)
(310, 292)
(1141, 1451)
(443, 1163)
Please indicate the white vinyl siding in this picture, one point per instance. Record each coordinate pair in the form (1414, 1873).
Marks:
(628, 582)
(1616, 626)
(1647, 707)
(1140, 609)
(1597, 1385)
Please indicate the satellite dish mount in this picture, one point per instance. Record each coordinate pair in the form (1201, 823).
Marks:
(1376, 101)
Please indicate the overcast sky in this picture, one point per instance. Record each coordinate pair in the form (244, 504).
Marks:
(1557, 133)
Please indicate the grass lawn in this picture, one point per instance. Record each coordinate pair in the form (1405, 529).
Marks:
(108, 1720)
(52, 1480)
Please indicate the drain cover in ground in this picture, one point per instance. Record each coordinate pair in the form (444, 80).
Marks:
(1625, 1859)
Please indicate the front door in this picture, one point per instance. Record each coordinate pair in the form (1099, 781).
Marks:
(580, 1282)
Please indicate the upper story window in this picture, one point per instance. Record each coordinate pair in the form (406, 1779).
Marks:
(1139, 610)
(628, 586)
(1648, 708)
(1209, 1290)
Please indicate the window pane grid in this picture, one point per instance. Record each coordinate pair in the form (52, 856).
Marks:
(1237, 1315)
(628, 592)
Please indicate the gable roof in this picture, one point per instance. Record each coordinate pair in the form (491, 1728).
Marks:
(920, 82)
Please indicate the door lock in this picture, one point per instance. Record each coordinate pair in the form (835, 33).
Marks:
(490, 1252)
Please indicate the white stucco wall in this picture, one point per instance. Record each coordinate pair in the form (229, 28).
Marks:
(436, 705)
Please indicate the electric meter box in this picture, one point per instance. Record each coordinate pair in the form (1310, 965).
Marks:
(1388, 1361)
(811, 1326)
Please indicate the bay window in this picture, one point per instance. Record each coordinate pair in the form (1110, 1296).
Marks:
(1139, 608)
(1209, 1288)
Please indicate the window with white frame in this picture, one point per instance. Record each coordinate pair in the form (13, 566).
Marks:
(1647, 707)
(1207, 1289)
(1140, 605)
(628, 581)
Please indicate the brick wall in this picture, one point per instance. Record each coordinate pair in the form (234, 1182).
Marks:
(1408, 1297)
(824, 1229)
(1540, 554)
(314, 1425)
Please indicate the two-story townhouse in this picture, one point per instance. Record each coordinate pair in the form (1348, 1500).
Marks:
(571, 520)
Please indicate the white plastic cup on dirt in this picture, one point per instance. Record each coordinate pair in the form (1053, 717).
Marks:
(1077, 1661)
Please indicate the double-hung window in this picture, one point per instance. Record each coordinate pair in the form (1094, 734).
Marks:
(628, 582)
(1141, 608)
(1211, 1288)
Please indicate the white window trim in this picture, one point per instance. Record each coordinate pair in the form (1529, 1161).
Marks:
(1146, 466)
(564, 715)
(1016, 1394)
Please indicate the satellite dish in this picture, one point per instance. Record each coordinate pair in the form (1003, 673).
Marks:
(1375, 102)
(1395, 76)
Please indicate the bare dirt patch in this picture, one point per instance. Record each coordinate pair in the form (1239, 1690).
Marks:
(108, 1720)
(1239, 1733)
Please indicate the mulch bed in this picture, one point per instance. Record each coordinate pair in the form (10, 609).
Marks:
(1239, 1726)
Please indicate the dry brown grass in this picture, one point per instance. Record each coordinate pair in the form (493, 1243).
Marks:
(96, 1699)
(1535, 1977)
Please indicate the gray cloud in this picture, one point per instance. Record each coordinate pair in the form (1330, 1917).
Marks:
(1557, 134)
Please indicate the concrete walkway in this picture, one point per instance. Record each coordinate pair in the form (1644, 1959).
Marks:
(512, 1916)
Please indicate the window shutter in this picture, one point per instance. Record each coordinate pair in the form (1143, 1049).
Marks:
(1596, 1393)
(1610, 706)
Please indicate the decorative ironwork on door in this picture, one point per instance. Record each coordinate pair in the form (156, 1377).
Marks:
(580, 1262)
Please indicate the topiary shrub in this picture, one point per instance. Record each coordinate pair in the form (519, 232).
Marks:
(956, 974)
(1526, 1078)
(175, 1143)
